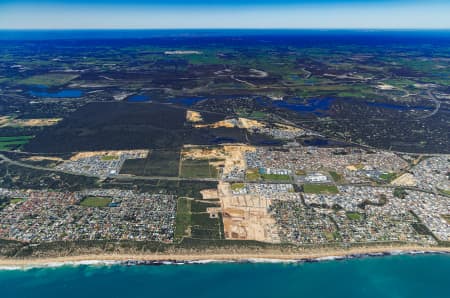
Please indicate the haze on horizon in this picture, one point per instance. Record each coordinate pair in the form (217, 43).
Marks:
(214, 14)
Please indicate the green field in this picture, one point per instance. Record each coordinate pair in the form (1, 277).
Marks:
(192, 221)
(255, 175)
(96, 201)
(49, 80)
(16, 200)
(204, 227)
(354, 215)
(320, 188)
(11, 143)
(183, 219)
(109, 157)
(275, 177)
(237, 186)
(388, 177)
(191, 168)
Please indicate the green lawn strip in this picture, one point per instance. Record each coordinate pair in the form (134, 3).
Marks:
(93, 201)
(445, 192)
(320, 188)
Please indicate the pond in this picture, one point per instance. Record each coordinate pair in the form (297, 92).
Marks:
(66, 93)
(398, 106)
(138, 98)
(186, 101)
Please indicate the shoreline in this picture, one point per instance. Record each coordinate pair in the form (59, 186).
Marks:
(203, 258)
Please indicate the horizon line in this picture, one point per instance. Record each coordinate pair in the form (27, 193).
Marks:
(234, 28)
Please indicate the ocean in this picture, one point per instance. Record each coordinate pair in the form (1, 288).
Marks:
(390, 276)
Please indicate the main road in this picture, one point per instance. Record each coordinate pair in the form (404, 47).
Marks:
(120, 176)
(131, 177)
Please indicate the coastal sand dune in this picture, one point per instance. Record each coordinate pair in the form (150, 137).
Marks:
(262, 256)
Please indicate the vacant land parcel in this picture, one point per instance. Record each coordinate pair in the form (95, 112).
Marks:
(95, 201)
(157, 163)
(11, 143)
(192, 168)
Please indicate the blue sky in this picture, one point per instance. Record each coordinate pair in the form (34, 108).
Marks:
(161, 14)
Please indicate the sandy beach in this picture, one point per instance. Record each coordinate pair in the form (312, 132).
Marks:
(257, 256)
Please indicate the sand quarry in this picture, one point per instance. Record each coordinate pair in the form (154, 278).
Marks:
(229, 157)
(193, 116)
(11, 122)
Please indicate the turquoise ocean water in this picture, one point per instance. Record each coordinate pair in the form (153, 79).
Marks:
(392, 276)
